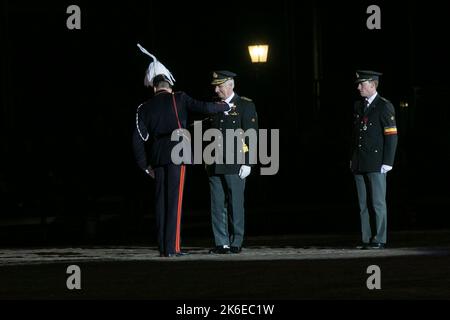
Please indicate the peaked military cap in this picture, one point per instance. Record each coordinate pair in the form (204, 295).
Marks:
(222, 76)
(367, 75)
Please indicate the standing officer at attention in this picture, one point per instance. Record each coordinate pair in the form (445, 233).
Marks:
(156, 119)
(373, 152)
(227, 181)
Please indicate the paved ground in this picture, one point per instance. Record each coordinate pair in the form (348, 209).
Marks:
(20, 257)
(416, 266)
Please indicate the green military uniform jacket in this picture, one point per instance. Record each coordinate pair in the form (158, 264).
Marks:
(374, 136)
(244, 117)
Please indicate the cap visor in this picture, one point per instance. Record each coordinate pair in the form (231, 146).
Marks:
(218, 81)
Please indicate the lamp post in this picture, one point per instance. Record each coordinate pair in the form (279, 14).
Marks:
(258, 54)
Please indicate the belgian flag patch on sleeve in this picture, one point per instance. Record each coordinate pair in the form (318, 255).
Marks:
(390, 131)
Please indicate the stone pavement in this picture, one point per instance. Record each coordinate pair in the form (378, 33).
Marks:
(283, 267)
(14, 257)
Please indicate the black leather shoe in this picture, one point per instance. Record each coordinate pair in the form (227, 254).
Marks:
(176, 254)
(363, 246)
(220, 250)
(377, 245)
(235, 249)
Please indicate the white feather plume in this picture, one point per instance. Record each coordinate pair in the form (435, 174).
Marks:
(155, 68)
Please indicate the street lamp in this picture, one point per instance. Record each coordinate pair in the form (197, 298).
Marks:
(258, 53)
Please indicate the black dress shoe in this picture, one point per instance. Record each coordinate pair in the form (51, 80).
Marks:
(176, 254)
(363, 246)
(220, 250)
(377, 245)
(235, 249)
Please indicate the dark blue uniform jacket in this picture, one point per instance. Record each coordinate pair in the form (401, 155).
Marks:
(156, 120)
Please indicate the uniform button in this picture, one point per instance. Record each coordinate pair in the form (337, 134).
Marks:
(376, 150)
(360, 146)
(234, 121)
(221, 120)
(361, 122)
(220, 128)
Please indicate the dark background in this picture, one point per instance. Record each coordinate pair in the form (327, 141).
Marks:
(68, 101)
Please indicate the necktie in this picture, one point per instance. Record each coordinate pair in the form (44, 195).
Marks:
(366, 104)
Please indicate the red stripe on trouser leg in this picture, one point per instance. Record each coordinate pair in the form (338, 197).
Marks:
(180, 206)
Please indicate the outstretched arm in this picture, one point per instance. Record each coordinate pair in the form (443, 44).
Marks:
(203, 107)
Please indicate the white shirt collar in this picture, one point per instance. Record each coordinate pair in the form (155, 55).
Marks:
(370, 99)
(228, 100)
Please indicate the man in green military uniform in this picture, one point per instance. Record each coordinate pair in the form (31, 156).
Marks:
(227, 180)
(373, 152)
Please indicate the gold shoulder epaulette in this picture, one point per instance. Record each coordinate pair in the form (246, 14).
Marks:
(246, 99)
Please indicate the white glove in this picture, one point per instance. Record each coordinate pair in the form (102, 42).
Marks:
(244, 172)
(385, 168)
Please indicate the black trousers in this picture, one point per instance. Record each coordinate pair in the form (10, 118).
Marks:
(169, 201)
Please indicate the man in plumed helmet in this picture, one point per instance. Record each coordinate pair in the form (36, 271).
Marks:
(373, 151)
(156, 120)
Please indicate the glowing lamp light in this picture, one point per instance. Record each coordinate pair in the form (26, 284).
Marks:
(258, 53)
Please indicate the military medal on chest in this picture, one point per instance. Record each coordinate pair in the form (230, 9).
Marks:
(365, 120)
(233, 112)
